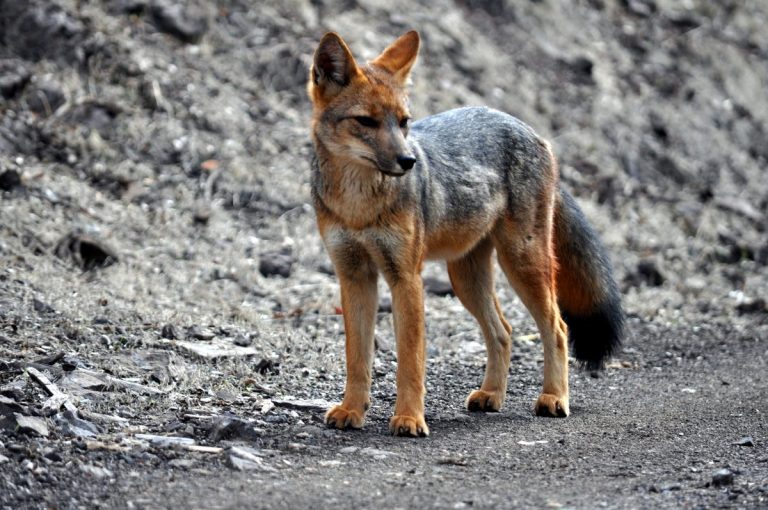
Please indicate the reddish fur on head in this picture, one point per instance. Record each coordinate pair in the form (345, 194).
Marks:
(334, 68)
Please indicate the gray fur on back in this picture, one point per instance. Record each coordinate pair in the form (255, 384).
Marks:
(470, 158)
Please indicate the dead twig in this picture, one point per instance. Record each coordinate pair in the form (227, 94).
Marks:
(120, 383)
(57, 397)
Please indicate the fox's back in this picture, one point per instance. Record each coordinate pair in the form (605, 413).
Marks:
(474, 163)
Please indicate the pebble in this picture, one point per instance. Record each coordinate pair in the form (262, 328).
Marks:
(246, 459)
(9, 180)
(276, 263)
(169, 332)
(199, 333)
(3, 459)
(216, 349)
(31, 424)
(46, 98)
(233, 427)
(241, 464)
(14, 76)
(744, 441)
(96, 471)
(73, 426)
(42, 307)
(376, 453)
(722, 477)
(752, 305)
(315, 404)
(242, 340)
(438, 286)
(181, 463)
(181, 20)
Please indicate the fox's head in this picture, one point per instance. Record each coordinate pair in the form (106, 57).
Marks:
(360, 113)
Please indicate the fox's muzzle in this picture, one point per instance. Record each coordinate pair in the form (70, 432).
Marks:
(405, 162)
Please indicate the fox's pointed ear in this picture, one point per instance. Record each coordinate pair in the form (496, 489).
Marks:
(333, 67)
(400, 56)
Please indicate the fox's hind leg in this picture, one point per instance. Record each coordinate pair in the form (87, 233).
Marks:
(527, 258)
(472, 280)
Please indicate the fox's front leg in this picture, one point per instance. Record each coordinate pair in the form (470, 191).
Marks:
(408, 317)
(359, 301)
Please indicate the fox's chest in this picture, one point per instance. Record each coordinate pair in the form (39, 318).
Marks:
(355, 196)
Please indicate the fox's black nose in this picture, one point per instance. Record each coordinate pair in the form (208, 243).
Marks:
(406, 162)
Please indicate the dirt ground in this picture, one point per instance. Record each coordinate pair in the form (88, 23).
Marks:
(169, 325)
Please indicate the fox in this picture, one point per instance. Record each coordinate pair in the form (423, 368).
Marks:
(390, 193)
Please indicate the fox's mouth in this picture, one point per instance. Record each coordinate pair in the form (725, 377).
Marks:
(391, 174)
(378, 167)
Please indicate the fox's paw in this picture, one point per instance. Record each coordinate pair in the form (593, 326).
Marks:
(551, 405)
(342, 418)
(411, 426)
(481, 400)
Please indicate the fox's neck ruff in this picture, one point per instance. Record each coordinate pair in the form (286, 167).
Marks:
(357, 195)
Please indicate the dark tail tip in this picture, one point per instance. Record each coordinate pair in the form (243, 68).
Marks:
(594, 337)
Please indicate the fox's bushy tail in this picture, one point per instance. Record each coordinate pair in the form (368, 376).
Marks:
(587, 293)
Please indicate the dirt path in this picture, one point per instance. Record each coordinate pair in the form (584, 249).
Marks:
(651, 434)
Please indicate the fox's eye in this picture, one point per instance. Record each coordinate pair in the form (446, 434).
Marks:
(404, 122)
(368, 122)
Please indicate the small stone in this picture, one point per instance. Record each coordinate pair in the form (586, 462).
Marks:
(650, 274)
(241, 464)
(169, 332)
(349, 449)
(135, 7)
(42, 307)
(53, 455)
(31, 424)
(96, 471)
(14, 391)
(73, 426)
(438, 287)
(3, 459)
(385, 305)
(276, 263)
(181, 463)
(14, 76)
(303, 404)
(243, 458)
(266, 366)
(45, 98)
(246, 453)
(752, 305)
(722, 477)
(198, 333)
(201, 215)
(242, 340)
(642, 8)
(216, 349)
(181, 20)
(9, 180)
(744, 441)
(79, 380)
(233, 427)
(376, 453)
(453, 460)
